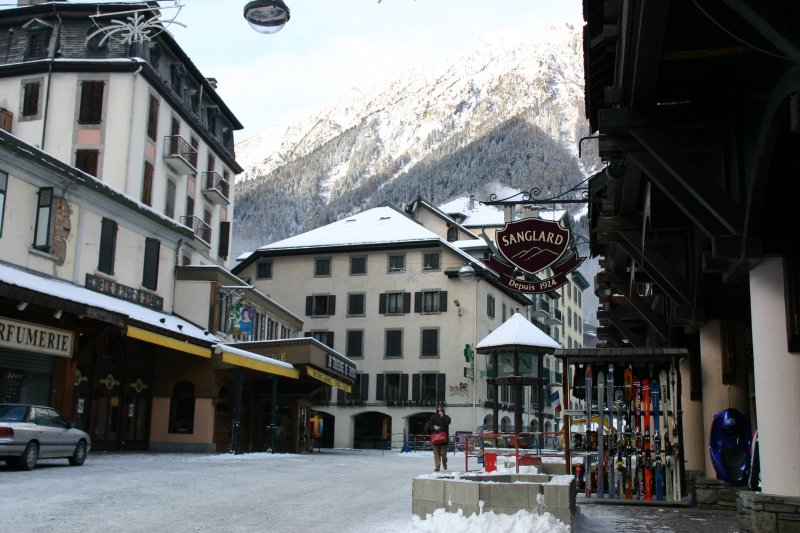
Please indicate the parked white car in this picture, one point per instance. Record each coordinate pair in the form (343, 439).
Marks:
(32, 432)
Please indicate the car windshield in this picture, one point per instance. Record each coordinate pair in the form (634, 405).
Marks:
(13, 413)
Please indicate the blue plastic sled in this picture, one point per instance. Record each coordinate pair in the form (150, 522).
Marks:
(729, 445)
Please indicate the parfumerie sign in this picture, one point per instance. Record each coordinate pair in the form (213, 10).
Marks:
(529, 246)
(35, 338)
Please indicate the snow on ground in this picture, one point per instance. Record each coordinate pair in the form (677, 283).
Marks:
(342, 490)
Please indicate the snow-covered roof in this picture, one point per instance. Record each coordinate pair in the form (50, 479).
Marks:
(62, 289)
(518, 331)
(476, 214)
(379, 225)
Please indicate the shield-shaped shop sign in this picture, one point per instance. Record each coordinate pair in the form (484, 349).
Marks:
(532, 244)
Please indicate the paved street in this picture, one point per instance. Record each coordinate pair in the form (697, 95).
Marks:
(336, 490)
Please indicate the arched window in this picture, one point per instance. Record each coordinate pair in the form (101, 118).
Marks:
(181, 408)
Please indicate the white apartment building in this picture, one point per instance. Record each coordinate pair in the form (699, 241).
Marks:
(382, 287)
(116, 167)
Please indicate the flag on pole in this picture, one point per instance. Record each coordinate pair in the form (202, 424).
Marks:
(554, 400)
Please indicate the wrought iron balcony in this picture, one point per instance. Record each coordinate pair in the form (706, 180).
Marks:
(555, 317)
(215, 188)
(180, 155)
(200, 228)
(540, 308)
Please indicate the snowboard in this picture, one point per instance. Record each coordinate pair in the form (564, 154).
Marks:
(587, 458)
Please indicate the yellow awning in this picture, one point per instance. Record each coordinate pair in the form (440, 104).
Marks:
(325, 378)
(168, 342)
(257, 362)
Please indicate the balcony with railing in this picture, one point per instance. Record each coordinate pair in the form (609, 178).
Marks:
(540, 308)
(555, 317)
(180, 155)
(215, 188)
(200, 228)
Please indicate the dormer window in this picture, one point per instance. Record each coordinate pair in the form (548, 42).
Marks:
(194, 100)
(212, 113)
(177, 73)
(155, 55)
(96, 44)
(38, 39)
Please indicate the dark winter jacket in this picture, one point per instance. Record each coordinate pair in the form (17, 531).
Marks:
(441, 420)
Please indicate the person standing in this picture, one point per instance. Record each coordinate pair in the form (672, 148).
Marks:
(440, 422)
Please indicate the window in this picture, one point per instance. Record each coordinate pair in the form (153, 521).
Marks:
(30, 98)
(152, 249)
(397, 263)
(322, 267)
(394, 303)
(490, 306)
(152, 118)
(44, 212)
(87, 160)
(3, 189)
(394, 343)
(431, 261)
(358, 266)
(355, 343)
(505, 312)
(91, 106)
(189, 206)
(147, 183)
(211, 162)
(38, 39)
(392, 387)
(356, 304)
(193, 155)
(177, 72)
(430, 302)
(452, 233)
(428, 387)
(264, 270)
(169, 202)
(181, 408)
(108, 246)
(430, 342)
(323, 336)
(320, 305)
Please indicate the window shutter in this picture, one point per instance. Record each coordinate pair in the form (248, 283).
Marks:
(152, 248)
(442, 301)
(415, 387)
(331, 306)
(417, 302)
(382, 304)
(224, 239)
(339, 395)
(404, 386)
(379, 388)
(406, 302)
(330, 339)
(108, 242)
(309, 304)
(440, 385)
(364, 382)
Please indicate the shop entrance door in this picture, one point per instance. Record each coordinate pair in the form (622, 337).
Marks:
(105, 425)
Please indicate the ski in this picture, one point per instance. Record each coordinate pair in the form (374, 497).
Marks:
(648, 491)
(601, 403)
(612, 437)
(666, 449)
(676, 452)
(587, 458)
(658, 472)
(628, 482)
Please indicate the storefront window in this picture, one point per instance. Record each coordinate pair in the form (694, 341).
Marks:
(181, 408)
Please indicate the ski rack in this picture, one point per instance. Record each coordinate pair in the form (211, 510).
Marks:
(638, 358)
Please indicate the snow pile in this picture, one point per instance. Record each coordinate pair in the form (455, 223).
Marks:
(521, 522)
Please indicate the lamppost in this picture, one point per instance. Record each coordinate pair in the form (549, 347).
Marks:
(266, 16)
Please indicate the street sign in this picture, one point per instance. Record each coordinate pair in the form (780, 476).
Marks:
(468, 372)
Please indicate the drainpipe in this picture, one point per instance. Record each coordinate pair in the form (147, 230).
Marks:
(50, 77)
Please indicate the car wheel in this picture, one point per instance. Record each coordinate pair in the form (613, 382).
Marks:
(29, 457)
(79, 455)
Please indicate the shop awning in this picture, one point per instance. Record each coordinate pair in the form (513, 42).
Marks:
(325, 378)
(245, 359)
(168, 342)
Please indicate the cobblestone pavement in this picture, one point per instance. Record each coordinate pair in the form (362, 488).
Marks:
(611, 518)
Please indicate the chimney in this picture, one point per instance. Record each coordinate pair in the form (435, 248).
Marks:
(471, 202)
(213, 82)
